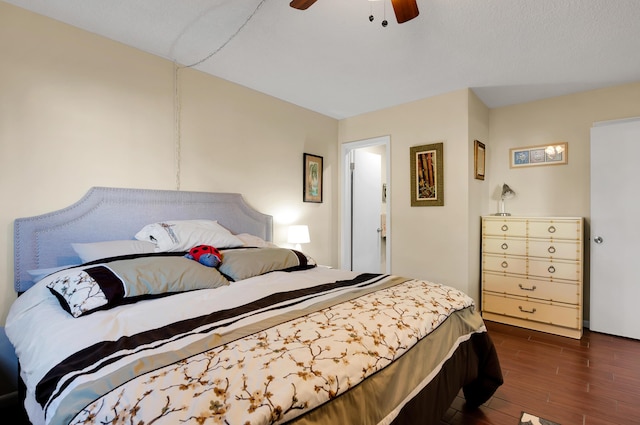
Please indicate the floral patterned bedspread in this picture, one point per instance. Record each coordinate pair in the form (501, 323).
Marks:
(280, 372)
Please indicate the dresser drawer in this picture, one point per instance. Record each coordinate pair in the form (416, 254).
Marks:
(555, 269)
(543, 312)
(564, 292)
(504, 264)
(556, 229)
(561, 249)
(532, 272)
(504, 227)
(495, 245)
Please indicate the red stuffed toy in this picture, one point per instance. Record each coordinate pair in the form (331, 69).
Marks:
(206, 255)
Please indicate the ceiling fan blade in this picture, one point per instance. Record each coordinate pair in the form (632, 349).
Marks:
(301, 4)
(405, 10)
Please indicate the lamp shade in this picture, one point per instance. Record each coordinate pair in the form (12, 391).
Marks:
(507, 192)
(299, 234)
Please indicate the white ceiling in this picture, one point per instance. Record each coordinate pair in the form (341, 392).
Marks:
(332, 60)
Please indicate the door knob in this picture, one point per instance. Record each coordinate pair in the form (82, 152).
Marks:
(598, 240)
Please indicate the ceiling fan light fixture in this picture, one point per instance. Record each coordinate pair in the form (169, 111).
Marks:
(405, 10)
(301, 4)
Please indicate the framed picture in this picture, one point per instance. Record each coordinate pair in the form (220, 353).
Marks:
(551, 154)
(479, 155)
(427, 184)
(312, 178)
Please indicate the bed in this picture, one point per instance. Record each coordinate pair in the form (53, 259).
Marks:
(120, 320)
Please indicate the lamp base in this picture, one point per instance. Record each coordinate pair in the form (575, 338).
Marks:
(503, 214)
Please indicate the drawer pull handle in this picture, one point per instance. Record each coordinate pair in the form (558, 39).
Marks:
(504, 246)
(552, 249)
(533, 310)
(504, 264)
(504, 227)
(533, 288)
(551, 229)
(551, 269)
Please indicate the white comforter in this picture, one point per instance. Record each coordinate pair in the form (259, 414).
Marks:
(44, 334)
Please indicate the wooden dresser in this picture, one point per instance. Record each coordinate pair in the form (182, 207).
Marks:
(532, 272)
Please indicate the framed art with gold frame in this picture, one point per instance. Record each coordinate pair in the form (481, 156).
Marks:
(427, 183)
(312, 178)
(552, 154)
(479, 159)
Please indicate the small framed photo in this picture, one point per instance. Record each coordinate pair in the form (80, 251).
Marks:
(551, 154)
(312, 178)
(479, 159)
(427, 184)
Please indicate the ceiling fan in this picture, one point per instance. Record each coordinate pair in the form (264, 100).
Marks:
(405, 10)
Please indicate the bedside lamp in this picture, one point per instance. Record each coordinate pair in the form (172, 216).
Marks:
(298, 234)
(507, 193)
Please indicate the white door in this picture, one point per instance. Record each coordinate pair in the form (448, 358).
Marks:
(366, 193)
(615, 228)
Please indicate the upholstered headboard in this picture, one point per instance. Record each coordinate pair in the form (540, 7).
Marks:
(104, 214)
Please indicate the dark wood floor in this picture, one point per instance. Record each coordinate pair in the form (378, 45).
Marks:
(592, 381)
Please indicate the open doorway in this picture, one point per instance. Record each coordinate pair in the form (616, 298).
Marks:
(366, 206)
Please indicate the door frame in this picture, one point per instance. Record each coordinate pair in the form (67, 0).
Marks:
(345, 216)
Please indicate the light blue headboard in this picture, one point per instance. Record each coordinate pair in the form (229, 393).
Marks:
(104, 214)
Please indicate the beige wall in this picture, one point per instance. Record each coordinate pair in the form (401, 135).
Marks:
(429, 242)
(443, 243)
(560, 190)
(553, 190)
(78, 110)
(478, 189)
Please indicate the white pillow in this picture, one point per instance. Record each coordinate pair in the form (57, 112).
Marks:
(182, 235)
(97, 250)
(255, 241)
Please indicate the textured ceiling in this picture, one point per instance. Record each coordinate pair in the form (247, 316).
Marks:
(332, 60)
